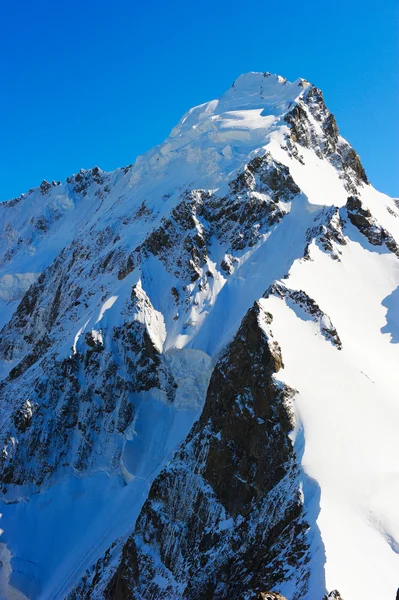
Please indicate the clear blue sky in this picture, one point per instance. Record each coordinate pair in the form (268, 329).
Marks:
(97, 83)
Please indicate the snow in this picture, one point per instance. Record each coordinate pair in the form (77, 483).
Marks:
(267, 262)
(12, 287)
(347, 409)
(80, 518)
(191, 370)
(347, 406)
(106, 306)
(315, 187)
(217, 137)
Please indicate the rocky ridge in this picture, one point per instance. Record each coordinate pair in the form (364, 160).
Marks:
(140, 344)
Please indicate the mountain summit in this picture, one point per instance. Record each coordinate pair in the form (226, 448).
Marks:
(198, 362)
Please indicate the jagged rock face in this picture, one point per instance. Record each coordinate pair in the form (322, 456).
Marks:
(334, 595)
(362, 218)
(301, 300)
(270, 596)
(328, 234)
(313, 126)
(141, 371)
(73, 414)
(210, 519)
(256, 201)
(97, 402)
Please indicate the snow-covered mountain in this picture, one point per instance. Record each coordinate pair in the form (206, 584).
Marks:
(199, 366)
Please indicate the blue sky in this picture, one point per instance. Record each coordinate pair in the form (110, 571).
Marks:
(98, 83)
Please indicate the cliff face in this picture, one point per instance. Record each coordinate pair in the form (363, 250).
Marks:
(225, 517)
(194, 350)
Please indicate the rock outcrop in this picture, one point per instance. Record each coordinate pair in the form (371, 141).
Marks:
(300, 301)
(225, 518)
(362, 218)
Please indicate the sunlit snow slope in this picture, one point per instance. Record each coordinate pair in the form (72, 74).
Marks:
(198, 355)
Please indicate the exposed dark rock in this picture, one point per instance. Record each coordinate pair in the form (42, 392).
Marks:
(227, 264)
(77, 399)
(224, 539)
(13, 202)
(95, 345)
(30, 359)
(96, 174)
(275, 176)
(175, 294)
(362, 218)
(334, 595)
(45, 187)
(41, 225)
(331, 130)
(328, 233)
(127, 267)
(329, 145)
(82, 180)
(297, 119)
(300, 299)
(352, 161)
(181, 241)
(23, 417)
(143, 211)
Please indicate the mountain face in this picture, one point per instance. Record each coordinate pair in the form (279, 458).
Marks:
(198, 357)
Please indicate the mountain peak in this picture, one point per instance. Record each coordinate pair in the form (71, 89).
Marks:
(256, 81)
(258, 90)
(267, 89)
(258, 112)
(157, 321)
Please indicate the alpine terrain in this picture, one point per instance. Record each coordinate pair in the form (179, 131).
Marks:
(199, 367)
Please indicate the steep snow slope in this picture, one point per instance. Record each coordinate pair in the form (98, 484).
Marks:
(347, 410)
(124, 294)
